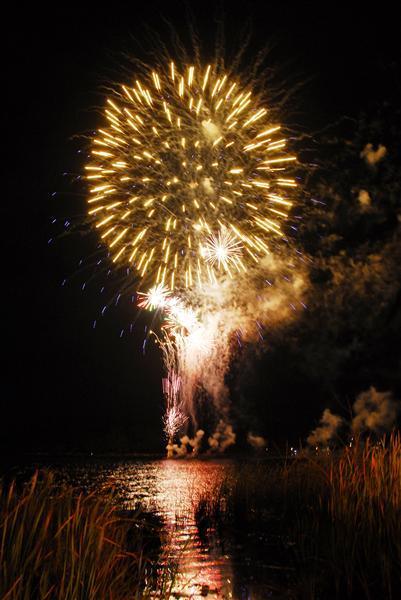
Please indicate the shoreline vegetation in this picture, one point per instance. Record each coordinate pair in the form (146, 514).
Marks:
(336, 514)
(56, 543)
(328, 524)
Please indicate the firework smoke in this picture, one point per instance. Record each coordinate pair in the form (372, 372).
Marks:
(198, 342)
(327, 431)
(187, 446)
(375, 411)
(256, 441)
(222, 438)
(373, 156)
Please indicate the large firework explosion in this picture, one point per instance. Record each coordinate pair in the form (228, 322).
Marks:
(191, 185)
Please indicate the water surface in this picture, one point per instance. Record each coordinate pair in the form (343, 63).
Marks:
(207, 566)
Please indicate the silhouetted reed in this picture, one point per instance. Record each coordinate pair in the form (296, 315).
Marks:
(338, 513)
(56, 543)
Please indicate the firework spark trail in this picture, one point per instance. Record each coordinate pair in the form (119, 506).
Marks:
(174, 418)
(189, 185)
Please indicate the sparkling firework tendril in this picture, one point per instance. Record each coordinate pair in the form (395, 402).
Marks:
(174, 418)
(188, 156)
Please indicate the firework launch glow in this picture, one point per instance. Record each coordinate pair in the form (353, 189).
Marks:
(190, 185)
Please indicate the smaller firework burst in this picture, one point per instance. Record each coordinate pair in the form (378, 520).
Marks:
(180, 318)
(222, 249)
(157, 297)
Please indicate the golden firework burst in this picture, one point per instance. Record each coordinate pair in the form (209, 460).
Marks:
(188, 154)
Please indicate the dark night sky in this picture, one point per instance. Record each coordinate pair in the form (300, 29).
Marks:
(67, 385)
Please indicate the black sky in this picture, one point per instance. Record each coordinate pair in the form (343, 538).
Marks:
(66, 384)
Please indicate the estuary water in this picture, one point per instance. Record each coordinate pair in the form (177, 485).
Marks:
(208, 566)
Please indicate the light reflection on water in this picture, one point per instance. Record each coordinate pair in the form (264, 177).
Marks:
(241, 563)
(171, 488)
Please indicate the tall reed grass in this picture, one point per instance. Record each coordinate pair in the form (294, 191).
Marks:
(58, 544)
(338, 514)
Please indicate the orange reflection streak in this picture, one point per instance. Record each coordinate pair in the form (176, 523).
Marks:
(203, 571)
(172, 489)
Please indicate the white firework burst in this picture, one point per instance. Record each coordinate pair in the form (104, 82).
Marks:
(222, 249)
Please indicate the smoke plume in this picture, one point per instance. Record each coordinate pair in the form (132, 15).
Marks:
(224, 315)
(187, 446)
(375, 411)
(372, 156)
(222, 438)
(256, 441)
(326, 431)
